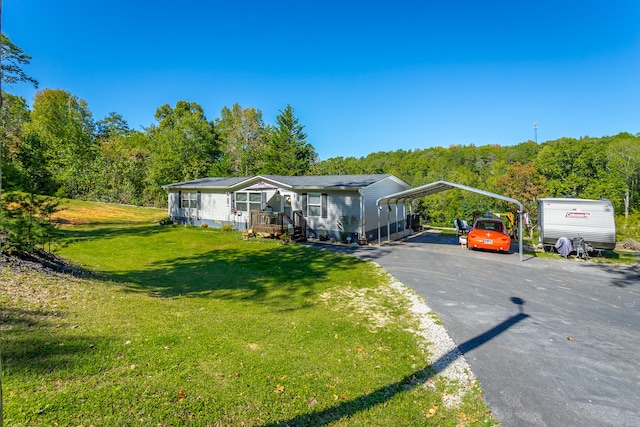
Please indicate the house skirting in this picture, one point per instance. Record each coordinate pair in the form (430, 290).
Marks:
(210, 222)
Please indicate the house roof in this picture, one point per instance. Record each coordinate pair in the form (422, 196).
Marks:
(319, 182)
(220, 183)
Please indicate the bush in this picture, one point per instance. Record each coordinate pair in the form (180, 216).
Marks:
(205, 225)
(165, 221)
(227, 227)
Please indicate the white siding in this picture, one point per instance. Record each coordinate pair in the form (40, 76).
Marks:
(371, 195)
(215, 207)
(339, 204)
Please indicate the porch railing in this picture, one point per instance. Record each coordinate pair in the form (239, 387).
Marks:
(278, 223)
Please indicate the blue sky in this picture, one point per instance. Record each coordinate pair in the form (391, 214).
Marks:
(362, 76)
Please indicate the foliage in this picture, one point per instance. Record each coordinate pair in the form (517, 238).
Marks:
(523, 183)
(121, 169)
(13, 59)
(112, 125)
(288, 152)
(164, 221)
(624, 163)
(64, 126)
(183, 147)
(242, 140)
(26, 221)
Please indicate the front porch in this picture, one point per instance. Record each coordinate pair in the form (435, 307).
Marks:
(276, 224)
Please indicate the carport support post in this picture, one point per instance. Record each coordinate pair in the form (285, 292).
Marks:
(388, 225)
(396, 220)
(520, 234)
(379, 209)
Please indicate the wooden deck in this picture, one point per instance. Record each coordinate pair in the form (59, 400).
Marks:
(278, 223)
(267, 222)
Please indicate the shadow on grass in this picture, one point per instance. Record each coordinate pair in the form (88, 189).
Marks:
(32, 342)
(109, 231)
(286, 275)
(12, 317)
(43, 354)
(417, 378)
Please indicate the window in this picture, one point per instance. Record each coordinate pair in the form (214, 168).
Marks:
(189, 200)
(314, 204)
(246, 201)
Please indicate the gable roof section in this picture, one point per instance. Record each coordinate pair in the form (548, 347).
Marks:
(318, 182)
(329, 182)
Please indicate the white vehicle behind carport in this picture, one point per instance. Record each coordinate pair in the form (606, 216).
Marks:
(590, 220)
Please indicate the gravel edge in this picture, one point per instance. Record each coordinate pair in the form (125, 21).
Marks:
(444, 356)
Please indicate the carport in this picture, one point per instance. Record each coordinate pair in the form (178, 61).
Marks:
(433, 188)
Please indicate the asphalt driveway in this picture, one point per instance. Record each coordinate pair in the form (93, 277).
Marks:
(553, 342)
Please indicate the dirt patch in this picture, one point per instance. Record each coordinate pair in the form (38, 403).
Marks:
(628, 245)
(42, 262)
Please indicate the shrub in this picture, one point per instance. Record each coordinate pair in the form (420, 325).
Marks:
(205, 225)
(227, 227)
(165, 221)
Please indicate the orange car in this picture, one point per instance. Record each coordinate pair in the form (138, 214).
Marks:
(489, 233)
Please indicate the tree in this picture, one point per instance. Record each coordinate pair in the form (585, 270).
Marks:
(14, 113)
(523, 183)
(26, 221)
(288, 152)
(183, 146)
(122, 166)
(65, 126)
(624, 162)
(242, 140)
(13, 59)
(571, 165)
(112, 125)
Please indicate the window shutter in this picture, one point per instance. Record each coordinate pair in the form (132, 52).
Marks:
(199, 197)
(304, 204)
(324, 205)
(179, 199)
(264, 200)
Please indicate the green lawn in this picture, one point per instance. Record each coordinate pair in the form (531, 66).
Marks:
(195, 326)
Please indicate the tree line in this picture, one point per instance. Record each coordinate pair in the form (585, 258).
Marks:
(56, 147)
(589, 167)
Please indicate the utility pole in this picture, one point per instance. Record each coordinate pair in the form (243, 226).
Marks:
(535, 129)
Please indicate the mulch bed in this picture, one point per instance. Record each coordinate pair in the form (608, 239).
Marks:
(43, 262)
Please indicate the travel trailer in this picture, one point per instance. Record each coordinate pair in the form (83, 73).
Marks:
(591, 220)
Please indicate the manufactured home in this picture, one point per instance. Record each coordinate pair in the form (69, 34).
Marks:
(333, 207)
(592, 220)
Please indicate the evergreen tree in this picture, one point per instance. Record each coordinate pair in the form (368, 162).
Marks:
(288, 152)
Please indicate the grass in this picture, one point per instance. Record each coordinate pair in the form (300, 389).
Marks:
(193, 326)
(606, 257)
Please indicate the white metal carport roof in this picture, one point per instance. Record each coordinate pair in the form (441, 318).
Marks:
(437, 187)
